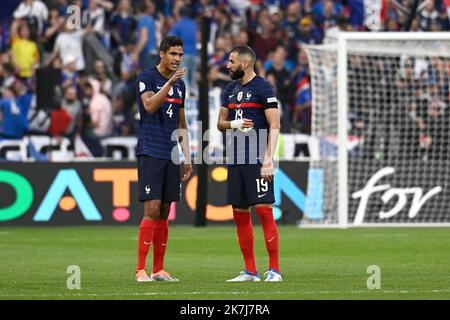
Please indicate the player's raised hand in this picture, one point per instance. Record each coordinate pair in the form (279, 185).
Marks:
(267, 170)
(177, 75)
(187, 172)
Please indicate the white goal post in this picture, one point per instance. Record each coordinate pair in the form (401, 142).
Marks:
(380, 109)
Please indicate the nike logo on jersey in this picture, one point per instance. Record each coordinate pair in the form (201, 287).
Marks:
(261, 195)
(270, 240)
(147, 243)
(180, 93)
(229, 97)
(158, 87)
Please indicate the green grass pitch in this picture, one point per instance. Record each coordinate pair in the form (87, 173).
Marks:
(316, 263)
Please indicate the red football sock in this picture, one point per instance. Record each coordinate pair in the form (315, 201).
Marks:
(159, 244)
(270, 230)
(145, 237)
(245, 236)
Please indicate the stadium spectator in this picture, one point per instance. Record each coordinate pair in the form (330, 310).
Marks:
(122, 117)
(437, 124)
(307, 32)
(186, 29)
(331, 34)
(391, 25)
(72, 105)
(69, 74)
(14, 107)
(283, 82)
(301, 117)
(242, 38)
(276, 17)
(428, 16)
(24, 51)
(220, 24)
(327, 17)
(101, 75)
(6, 72)
(69, 43)
(290, 25)
(146, 52)
(263, 41)
(51, 30)
(95, 16)
(97, 117)
(100, 110)
(123, 24)
(204, 8)
(324, 10)
(292, 18)
(127, 71)
(35, 13)
(218, 72)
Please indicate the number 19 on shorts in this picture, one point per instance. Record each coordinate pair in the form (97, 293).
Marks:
(261, 185)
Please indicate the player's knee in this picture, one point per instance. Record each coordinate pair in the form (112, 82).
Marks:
(152, 210)
(164, 212)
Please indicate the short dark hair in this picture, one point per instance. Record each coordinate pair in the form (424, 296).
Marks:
(245, 50)
(141, 6)
(170, 41)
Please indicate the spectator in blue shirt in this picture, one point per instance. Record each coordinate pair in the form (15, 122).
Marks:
(146, 51)
(186, 30)
(14, 107)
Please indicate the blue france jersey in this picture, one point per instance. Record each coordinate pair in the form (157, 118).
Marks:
(155, 130)
(248, 101)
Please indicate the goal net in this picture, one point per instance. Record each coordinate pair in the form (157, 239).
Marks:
(381, 113)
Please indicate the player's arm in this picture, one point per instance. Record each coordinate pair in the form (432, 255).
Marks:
(185, 146)
(153, 101)
(273, 118)
(223, 123)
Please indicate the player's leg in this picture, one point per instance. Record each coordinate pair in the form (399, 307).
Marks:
(265, 215)
(261, 194)
(170, 193)
(150, 174)
(160, 238)
(242, 217)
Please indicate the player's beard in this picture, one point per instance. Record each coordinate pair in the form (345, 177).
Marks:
(238, 74)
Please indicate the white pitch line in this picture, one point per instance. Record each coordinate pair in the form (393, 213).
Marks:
(219, 293)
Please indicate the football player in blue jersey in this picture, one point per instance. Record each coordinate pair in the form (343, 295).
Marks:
(161, 94)
(249, 108)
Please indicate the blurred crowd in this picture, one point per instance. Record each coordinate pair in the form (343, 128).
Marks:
(98, 47)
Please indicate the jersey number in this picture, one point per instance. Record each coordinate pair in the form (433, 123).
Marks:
(170, 111)
(239, 114)
(261, 185)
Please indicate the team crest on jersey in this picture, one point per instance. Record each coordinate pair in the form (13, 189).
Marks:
(171, 92)
(141, 86)
(248, 95)
(239, 96)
